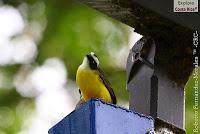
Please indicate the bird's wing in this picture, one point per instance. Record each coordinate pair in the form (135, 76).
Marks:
(107, 85)
(80, 93)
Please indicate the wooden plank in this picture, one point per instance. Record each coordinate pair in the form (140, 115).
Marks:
(145, 21)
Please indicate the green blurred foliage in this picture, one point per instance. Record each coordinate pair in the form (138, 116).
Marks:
(189, 111)
(72, 30)
(11, 118)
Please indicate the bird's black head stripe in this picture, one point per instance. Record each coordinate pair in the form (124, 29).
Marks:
(92, 62)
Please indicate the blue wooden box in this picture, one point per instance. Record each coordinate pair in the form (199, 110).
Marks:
(98, 117)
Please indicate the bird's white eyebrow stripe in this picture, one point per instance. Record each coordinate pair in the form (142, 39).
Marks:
(94, 57)
(92, 53)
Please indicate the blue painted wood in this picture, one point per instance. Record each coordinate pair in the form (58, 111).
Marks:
(98, 117)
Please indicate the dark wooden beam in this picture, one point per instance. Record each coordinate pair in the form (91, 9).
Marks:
(144, 19)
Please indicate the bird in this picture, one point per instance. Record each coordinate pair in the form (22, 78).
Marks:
(92, 82)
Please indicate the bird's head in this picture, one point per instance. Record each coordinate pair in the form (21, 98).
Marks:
(91, 61)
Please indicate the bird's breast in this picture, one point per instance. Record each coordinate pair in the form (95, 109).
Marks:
(91, 85)
(87, 80)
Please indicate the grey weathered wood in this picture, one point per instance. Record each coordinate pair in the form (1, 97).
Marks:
(151, 91)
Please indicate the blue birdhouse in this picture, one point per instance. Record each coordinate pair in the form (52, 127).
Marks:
(98, 117)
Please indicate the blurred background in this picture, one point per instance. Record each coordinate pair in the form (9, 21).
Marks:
(42, 44)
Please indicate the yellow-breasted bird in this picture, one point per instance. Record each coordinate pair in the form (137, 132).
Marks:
(92, 82)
